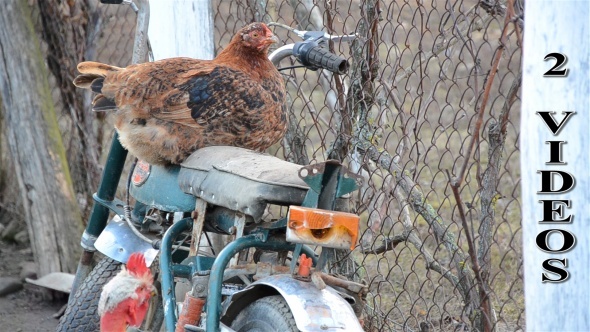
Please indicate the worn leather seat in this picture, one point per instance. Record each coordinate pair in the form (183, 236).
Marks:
(241, 180)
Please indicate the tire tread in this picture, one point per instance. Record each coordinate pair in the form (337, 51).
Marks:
(274, 308)
(81, 314)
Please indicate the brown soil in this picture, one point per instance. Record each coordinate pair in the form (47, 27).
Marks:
(25, 310)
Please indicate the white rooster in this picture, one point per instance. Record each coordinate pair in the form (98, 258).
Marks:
(124, 300)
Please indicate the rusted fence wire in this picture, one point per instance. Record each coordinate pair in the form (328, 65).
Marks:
(428, 114)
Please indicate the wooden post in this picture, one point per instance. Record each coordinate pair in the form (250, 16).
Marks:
(35, 143)
(181, 28)
(553, 26)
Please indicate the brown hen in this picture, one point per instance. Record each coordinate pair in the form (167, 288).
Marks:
(167, 109)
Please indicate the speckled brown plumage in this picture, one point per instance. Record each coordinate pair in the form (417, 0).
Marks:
(167, 109)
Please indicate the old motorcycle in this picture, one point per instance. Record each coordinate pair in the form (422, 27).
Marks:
(268, 261)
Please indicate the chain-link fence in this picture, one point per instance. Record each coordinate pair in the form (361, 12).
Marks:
(428, 114)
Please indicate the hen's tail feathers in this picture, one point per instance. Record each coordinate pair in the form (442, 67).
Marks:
(85, 80)
(136, 265)
(102, 103)
(96, 68)
(92, 77)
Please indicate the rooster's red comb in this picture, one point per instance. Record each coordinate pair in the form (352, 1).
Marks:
(136, 264)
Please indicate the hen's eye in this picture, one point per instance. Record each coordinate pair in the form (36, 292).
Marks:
(255, 34)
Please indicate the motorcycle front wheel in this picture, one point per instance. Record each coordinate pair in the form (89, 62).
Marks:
(81, 314)
(268, 314)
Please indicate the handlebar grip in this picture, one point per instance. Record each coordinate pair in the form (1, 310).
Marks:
(112, 2)
(310, 54)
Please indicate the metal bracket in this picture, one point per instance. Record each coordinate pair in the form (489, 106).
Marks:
(198, 223)
(88, 241)
(115, 205)
(317, 176)
(200, 285)
(239, 224)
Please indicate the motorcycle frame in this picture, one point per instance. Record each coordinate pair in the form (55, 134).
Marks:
(325, 187)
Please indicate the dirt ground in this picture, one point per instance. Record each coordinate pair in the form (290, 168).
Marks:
(25, 310)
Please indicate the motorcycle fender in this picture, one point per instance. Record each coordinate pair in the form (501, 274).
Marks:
(313, 309)
(117, 241)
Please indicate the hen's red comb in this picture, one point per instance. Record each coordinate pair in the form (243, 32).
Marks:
(136, 264)
(266, 29)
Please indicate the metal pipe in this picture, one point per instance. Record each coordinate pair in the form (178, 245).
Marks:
(113, 167)
(100, 213)
(141, 42)
(310, 253)
(280, 53)
(216, 277)
(166, 270)
(82, 271)
(108, 186)
(181, 271)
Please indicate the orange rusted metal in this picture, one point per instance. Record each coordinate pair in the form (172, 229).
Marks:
(304, 265)
(322, 227)
(191, 312)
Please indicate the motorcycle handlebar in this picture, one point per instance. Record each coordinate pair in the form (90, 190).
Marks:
(311, 55)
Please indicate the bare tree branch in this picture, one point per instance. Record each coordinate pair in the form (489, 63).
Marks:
(486, 93)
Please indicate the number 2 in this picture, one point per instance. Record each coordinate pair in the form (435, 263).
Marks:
(561, 60)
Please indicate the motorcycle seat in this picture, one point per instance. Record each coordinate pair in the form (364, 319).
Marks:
(241, 180)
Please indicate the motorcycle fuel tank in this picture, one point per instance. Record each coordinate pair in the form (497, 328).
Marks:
(157, 186)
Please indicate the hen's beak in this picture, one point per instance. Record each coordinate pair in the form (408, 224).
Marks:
(271, 39)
